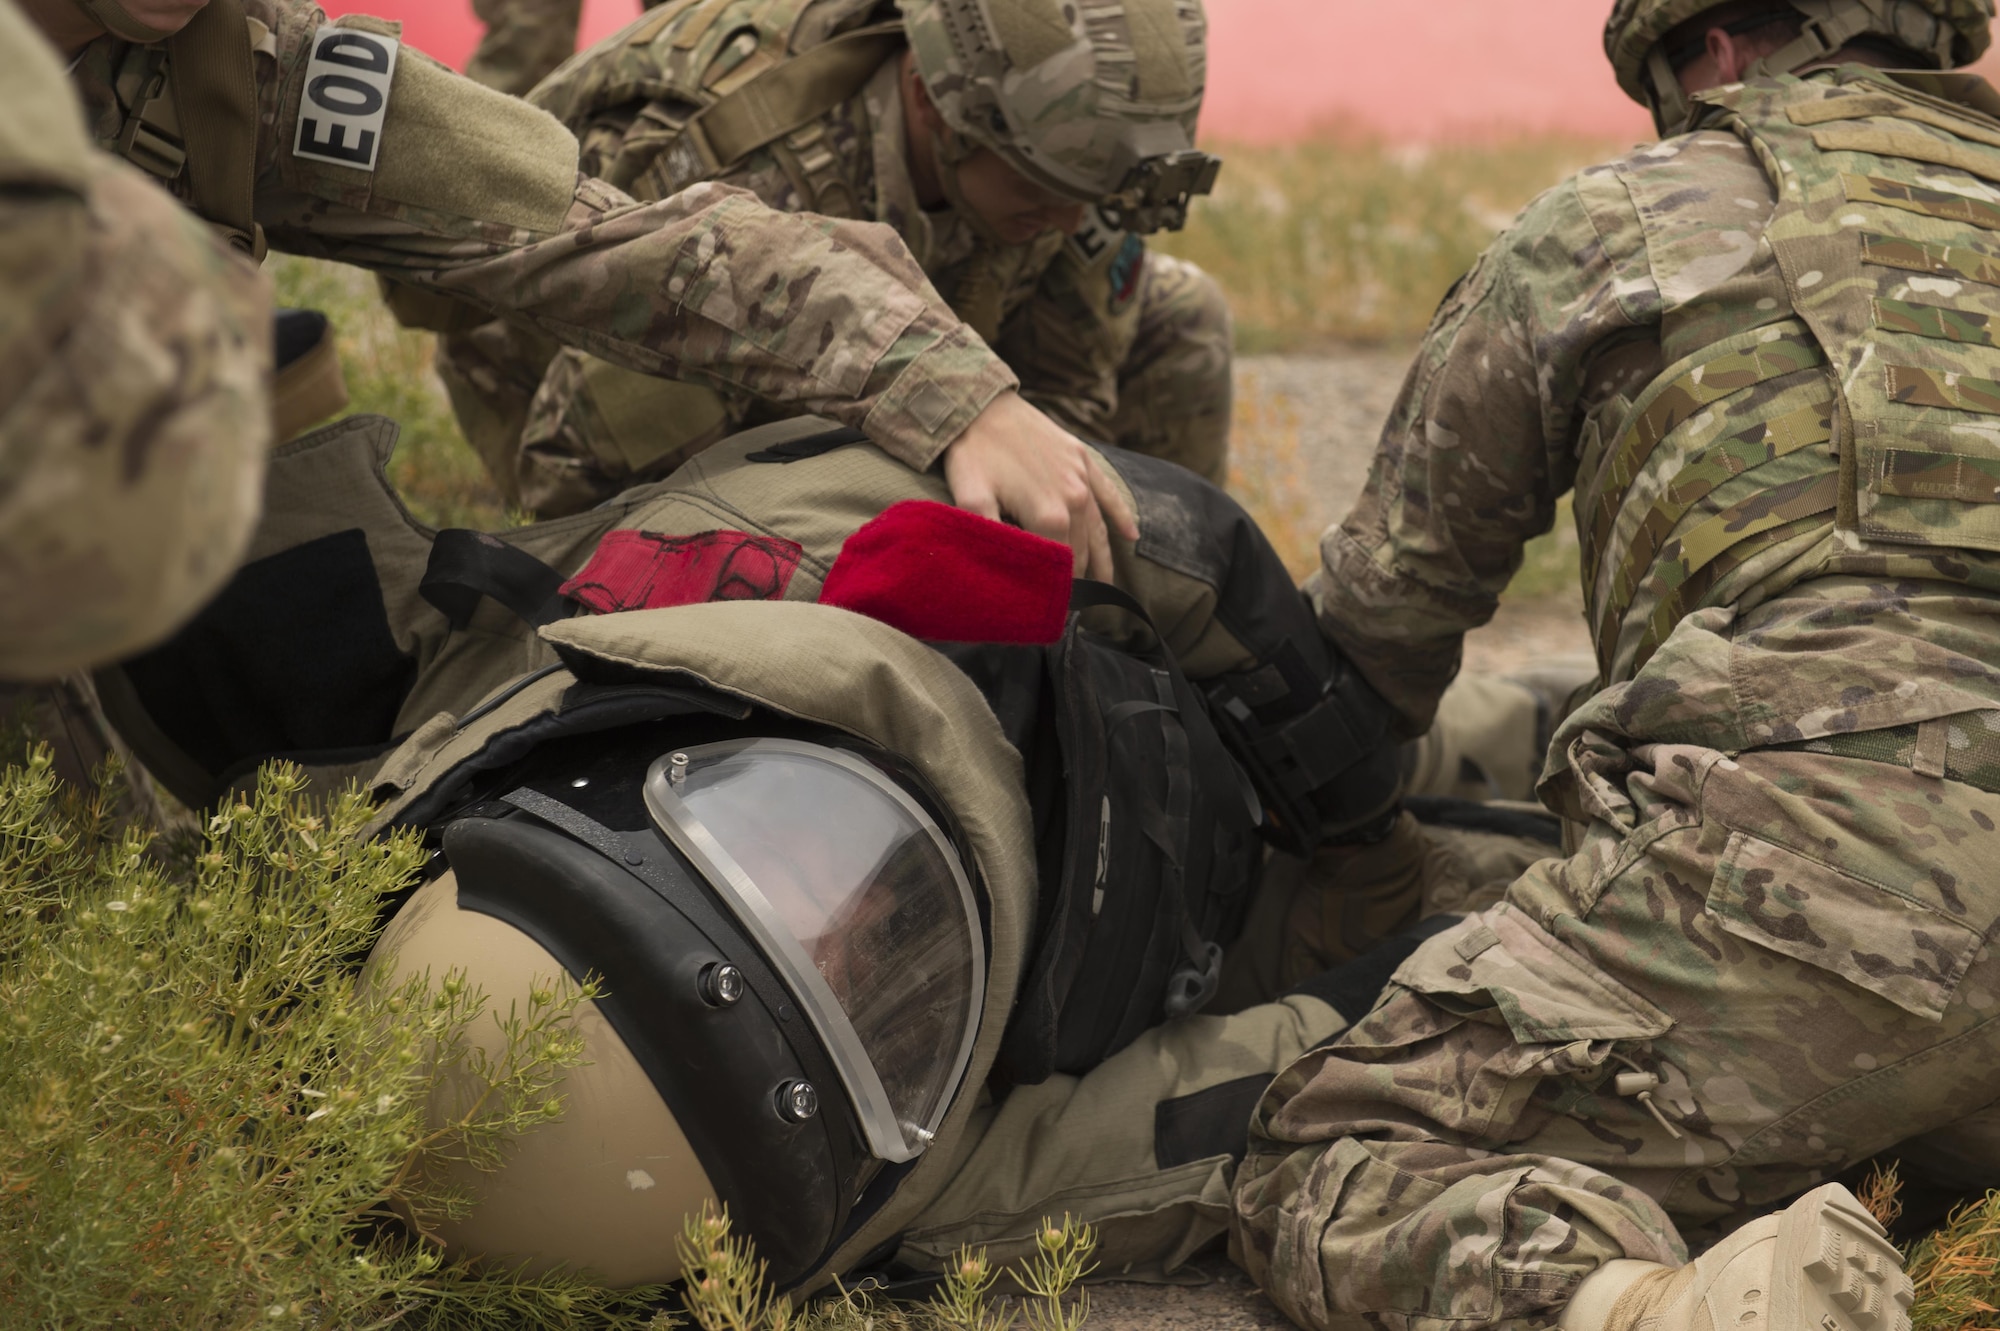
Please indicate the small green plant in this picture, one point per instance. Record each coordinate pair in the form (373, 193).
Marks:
(208, 1116)
(726, 1288)
(1956, 1269)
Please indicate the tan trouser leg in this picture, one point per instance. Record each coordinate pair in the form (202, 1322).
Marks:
(1081, 1146)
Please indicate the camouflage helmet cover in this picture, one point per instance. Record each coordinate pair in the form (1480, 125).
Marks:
(1097, 102)
(1952, 32)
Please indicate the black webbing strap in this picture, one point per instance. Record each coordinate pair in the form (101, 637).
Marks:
(467, 565)
(1209, 751)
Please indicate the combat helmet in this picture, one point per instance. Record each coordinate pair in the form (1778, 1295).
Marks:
(1949, 33)
(1096, 102)
(793, 965)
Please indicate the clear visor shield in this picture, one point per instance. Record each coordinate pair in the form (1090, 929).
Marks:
(859, 902)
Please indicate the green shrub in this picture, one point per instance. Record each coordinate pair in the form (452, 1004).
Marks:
(207, 1118)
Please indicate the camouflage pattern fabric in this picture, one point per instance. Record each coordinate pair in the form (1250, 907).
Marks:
(475, 197)
(1115, 342)
(1775, 902)
(1172, 394)
(1636, 26)
(1467, 1153)
(1070, 96)
(135, 354)
(525, 40)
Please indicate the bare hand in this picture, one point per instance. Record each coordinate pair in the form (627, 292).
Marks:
(1014, 462)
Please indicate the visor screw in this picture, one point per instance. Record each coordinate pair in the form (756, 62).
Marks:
(677, 770)
(797, 1101)
(720, 985)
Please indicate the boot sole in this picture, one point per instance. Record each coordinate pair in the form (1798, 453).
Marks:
(1850, 1276)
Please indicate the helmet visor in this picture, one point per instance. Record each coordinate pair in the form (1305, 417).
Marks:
(858, 900)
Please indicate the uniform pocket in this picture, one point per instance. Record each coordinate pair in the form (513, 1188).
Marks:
(1483, 1014)
(1545, 992)
(1893, 943)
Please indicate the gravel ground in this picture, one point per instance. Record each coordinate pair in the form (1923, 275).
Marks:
(1307, 427)
(1223, 1300)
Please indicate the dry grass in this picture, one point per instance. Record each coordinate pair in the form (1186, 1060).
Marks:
(1347, 240)
(389, 372)
(1266, 475)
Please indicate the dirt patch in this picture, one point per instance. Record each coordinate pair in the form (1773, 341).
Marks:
(1223, 1300)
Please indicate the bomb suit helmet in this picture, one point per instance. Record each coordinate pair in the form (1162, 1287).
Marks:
(1944, 34)
(1095, 102)
(793, 968)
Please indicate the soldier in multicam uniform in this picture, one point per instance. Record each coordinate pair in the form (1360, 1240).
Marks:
(1762, 352)
(135, 351)
(336, 141)
(1021, 182)
(525, 40)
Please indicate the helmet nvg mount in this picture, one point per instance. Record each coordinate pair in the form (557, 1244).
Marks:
(1948, 33)
(1096, 102)
(794, 970)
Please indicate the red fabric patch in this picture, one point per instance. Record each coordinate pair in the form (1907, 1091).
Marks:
(638, 570)
(941, 573)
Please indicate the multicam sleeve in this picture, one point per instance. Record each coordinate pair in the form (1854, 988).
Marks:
(135, 413)
(477, 196)
(1481, 442)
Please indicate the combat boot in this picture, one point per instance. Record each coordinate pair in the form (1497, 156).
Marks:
(1821, 1264)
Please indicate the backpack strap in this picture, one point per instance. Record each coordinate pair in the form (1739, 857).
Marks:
(1209, 752)
(786, 97)
(466, 566)
(190, 106)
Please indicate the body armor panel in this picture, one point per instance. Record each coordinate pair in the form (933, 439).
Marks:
(1855, 412)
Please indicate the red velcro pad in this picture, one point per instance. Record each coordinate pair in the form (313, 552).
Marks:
(637, 570)
(942, 573)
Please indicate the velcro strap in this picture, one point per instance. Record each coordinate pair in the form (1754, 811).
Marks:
(467, 565)
(1785, 349)
(1322, 743)
(642, 570)
(1675, 604)
(1766, 441)
(794, 93)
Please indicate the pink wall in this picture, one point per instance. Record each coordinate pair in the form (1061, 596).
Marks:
(1404, 69)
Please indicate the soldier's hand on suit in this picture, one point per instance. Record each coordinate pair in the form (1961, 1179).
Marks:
(1013, 462)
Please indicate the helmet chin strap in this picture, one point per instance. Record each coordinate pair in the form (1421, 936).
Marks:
(114, 17)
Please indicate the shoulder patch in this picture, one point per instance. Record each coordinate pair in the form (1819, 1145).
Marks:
(1096, 238)
(1125, 270)
(346, 98)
